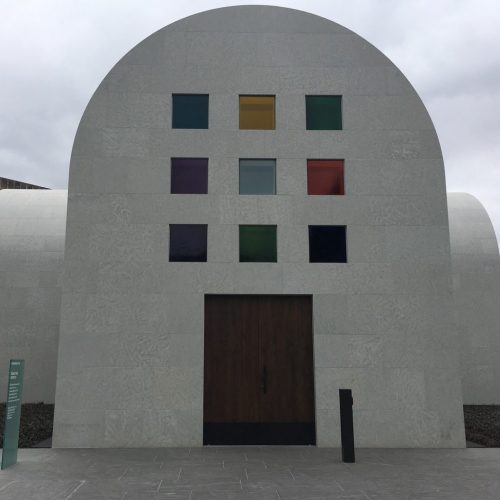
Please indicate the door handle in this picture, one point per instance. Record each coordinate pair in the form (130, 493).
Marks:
(263, 380)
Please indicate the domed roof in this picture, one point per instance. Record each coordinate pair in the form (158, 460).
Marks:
(471, 230)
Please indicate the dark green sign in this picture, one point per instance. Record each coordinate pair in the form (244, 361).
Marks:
(13, 412)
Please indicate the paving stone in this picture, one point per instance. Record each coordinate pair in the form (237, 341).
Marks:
(253, 473)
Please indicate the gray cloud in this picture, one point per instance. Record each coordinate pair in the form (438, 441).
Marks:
(54, 54)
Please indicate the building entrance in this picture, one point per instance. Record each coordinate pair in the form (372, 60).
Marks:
(259, 372)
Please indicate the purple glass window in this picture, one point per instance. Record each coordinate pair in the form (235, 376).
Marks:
(188, 242)
(189, 176)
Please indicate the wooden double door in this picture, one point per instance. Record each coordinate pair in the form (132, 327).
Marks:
(258, 372)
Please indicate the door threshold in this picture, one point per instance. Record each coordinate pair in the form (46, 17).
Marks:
(259, 434)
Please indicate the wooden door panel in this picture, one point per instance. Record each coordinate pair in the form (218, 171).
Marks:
(287, 359)
(231, 371)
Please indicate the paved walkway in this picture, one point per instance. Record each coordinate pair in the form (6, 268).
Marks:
(252, 474)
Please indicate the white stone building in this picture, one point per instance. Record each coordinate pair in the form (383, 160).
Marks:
(476, 290)
(131, 351)
(32, 229)
(257, 217)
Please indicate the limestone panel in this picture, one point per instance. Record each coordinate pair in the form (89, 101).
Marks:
(79, 429)
(397, 177)
(223, 175)
(384, 113)
(151, 428)
(129, 109)
(257, 20)
(345, 81)
(291, 176)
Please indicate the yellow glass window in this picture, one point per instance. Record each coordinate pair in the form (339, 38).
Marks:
(257, 112)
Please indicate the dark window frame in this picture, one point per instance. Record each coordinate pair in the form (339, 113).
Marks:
(176, 119)
(274, 257)
(174, 232)
(310, 168)
(319, 253)
(256, 95)
(309, 111)
(275, 180)
(174, 167)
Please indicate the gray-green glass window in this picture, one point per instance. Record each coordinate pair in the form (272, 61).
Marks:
(190, 111)
(258, 244)
(257, 176)
(324, 112)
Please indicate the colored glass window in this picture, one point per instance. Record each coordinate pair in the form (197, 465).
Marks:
(327, 244)
(324, 112)
(189, 176)
(257, 112)
(325, 176)
(188, 243)
(190, 111)
(258, 244)
(257, 176)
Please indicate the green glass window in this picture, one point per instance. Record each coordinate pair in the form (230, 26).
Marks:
(190, 111)
(257, 176)
(324, 112)
(258, 244)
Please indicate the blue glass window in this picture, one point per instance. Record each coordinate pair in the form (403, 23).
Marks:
(190, 111)
(257, 176)
(327, 244)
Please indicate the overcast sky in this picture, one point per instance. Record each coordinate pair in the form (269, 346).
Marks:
(54, 53)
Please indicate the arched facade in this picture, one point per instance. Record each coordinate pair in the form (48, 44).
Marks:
(31, 260)
(33, 225)
(134, 321)
(476, 289)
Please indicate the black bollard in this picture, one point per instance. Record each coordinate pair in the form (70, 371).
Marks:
(346, 425)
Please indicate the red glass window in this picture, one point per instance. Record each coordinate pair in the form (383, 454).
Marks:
(325, 177)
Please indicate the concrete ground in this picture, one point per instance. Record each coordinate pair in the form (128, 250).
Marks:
(253, 473)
